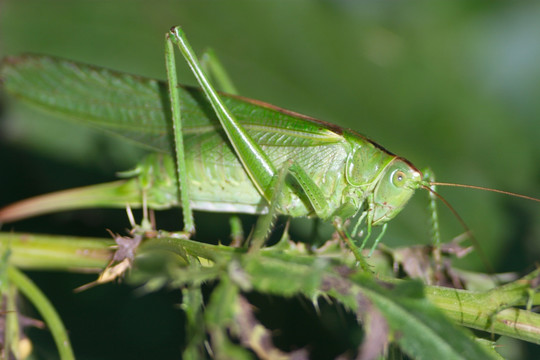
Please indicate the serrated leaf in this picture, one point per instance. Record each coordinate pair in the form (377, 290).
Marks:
(421, 330)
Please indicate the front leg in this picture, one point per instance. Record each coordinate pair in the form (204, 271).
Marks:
(429, 177)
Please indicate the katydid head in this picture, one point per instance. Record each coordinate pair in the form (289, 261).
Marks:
(396, 185)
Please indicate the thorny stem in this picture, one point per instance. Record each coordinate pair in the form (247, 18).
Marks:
(490, 311)
(480, 310)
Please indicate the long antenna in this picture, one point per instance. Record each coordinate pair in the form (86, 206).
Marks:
(486, 189)
(440, 197)
(475, 241)
(468, 231)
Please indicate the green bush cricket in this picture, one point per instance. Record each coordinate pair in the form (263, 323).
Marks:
(228, 151)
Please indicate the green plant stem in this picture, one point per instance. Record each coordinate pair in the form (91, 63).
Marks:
(488, 311)
(53, 252)
(45, 308)
(493, 311)
(11, 330)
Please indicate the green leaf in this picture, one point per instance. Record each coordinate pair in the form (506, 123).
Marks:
(420, 328)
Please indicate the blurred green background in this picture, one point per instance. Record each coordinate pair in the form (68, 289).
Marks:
(449, 85)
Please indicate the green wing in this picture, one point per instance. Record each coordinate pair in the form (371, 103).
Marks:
(137, 108)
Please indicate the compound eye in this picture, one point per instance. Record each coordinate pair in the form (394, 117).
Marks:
(398, 178)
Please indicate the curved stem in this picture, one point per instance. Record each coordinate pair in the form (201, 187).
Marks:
(45, 308)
